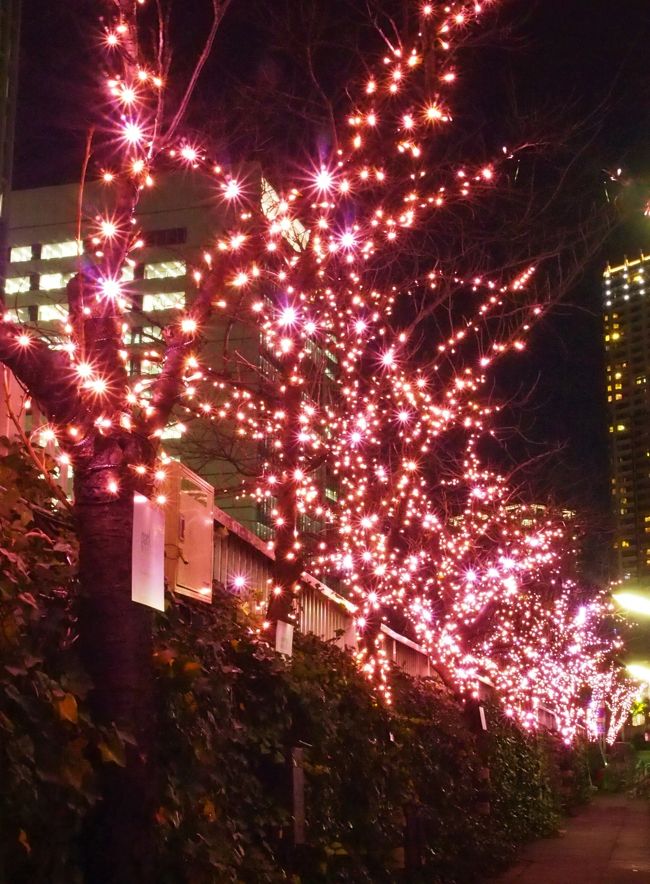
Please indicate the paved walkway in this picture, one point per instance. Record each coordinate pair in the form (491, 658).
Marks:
(608, 843)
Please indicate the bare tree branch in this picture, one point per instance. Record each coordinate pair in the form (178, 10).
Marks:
(45, 373)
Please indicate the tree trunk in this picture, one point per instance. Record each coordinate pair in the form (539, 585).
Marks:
(116, 645)
(288, 566)
(289, 560)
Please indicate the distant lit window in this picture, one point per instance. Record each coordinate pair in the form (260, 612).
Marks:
(52, 312)
(620, 428)
(164, 270)
(151, 331)
(175, 432)
(51, 281)
(68, 249)
(143, 335)
(20, 253)
(165, 301)
(149, 367)
(19, 315)
(16, 284)
(127, 273)
(291, 229)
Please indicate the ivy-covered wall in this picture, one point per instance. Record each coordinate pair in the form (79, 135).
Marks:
(419, 785)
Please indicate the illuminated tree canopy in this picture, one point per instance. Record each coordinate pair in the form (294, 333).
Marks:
(382, 319)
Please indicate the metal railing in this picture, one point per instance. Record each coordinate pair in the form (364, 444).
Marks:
(243, 564)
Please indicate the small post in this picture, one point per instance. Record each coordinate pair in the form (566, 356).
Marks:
(298, 786)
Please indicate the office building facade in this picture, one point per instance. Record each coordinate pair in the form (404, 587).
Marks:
(177, 219)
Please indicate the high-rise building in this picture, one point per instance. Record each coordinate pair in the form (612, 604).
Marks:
(9, 33)
(626, 292)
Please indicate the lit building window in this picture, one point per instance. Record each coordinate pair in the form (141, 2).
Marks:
(152, 331)
(291, 229)
(19, 315)
(16, 284)
(71, 248)
(175, 432)
(164, 270)
(20, 253)
(52, 312)
(149, 367)
(143, 335)
(50, 281)
(165, 301)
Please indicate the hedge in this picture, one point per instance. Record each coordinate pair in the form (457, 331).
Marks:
(420, 784)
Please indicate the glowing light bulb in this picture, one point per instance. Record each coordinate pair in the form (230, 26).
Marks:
(232, 190)
(111, 288)
(132, 133)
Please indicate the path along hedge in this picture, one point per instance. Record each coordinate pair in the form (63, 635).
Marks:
(230, 712)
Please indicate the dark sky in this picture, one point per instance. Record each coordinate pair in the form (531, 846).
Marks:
(589, 55)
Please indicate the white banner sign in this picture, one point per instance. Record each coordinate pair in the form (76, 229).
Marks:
(148, 554)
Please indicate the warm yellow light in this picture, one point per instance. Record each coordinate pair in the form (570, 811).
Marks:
(639, 671)
(633, 602)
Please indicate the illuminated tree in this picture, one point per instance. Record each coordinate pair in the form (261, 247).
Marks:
(366, 257)
(506, 603)
(610, 703)
(389, 242)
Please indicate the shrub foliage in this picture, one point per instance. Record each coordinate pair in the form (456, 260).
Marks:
(419, 785)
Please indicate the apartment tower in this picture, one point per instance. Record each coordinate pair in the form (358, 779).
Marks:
(627, 347)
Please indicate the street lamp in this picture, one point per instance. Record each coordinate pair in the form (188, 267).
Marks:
(634, 602)
(639, 671)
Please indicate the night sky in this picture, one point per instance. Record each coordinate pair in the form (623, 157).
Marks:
(586, 55)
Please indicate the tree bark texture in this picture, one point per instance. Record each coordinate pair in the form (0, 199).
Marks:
(289, 561)
(116, 645)
(288, 565)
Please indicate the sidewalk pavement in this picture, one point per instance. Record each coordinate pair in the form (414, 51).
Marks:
(608, 843)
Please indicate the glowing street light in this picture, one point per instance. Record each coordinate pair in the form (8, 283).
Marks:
(633, 602)
(639, 671)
